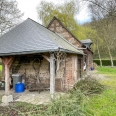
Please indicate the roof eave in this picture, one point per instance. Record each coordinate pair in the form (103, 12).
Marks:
(38, 51)
(27, 52)
(69, 51)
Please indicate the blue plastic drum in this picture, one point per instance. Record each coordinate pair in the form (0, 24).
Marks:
(19, 87)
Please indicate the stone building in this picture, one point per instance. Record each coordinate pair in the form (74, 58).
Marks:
(56, 26)
(51, 55)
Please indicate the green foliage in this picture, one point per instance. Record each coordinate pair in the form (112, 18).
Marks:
(89, 86)
(0, 67)
(105, 62)
(103, 21)
(69, 105)
(66, 14)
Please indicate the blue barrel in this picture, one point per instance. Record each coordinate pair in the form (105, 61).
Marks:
(19, 87)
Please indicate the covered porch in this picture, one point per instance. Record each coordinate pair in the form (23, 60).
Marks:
(57, 71)
(8, 62)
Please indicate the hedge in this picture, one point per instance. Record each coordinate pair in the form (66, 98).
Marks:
(105, 62)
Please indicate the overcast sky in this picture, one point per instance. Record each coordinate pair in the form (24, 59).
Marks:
(28, 7)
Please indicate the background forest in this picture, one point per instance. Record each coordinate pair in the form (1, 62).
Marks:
(101, 30)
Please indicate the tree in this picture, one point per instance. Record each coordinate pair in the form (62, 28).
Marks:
(10, 15)
(97, 40)
(66, 13)
(104, 12)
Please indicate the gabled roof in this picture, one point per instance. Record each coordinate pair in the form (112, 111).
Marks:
(31, 37)
(54, 18)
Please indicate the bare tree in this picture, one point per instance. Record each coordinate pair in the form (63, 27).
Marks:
(104, 11)
(10, 15)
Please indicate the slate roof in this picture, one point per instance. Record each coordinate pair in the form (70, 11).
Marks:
(30, 37)
(86, 41)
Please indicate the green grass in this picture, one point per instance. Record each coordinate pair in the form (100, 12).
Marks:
(104, 104)
(108, 71)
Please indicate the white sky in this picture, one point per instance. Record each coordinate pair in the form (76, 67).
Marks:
(28, 7)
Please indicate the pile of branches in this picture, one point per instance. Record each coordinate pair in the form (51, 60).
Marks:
(89, 86)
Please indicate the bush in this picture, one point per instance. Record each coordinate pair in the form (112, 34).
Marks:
(105, 62)
(71, 104)
(89, 86)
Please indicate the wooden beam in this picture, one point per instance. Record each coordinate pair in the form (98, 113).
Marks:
(3, 70)
(46, 57)
(7, 61)
(74, 68)
(7, 80)
(52, 75)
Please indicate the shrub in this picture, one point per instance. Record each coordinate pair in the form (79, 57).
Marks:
(89, 86)
(71, 104)
(105, 62)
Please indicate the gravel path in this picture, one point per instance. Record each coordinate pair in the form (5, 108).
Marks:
(94, 74)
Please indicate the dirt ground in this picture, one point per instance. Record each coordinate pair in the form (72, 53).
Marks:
(34, 97)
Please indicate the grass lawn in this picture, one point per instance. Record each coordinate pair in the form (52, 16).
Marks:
(104, 104)
(108, 71)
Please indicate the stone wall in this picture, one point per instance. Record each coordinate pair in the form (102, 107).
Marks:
(66, 75)
(88, 59)
(57, 27)
(33, 68)
(70, 72)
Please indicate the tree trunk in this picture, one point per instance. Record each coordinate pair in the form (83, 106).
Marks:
(99, 54)
(111, 59)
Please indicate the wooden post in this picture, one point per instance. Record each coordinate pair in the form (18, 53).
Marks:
(3, 70)
(75, 68)
(7, 61)
(7, 81)
(52, 75)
